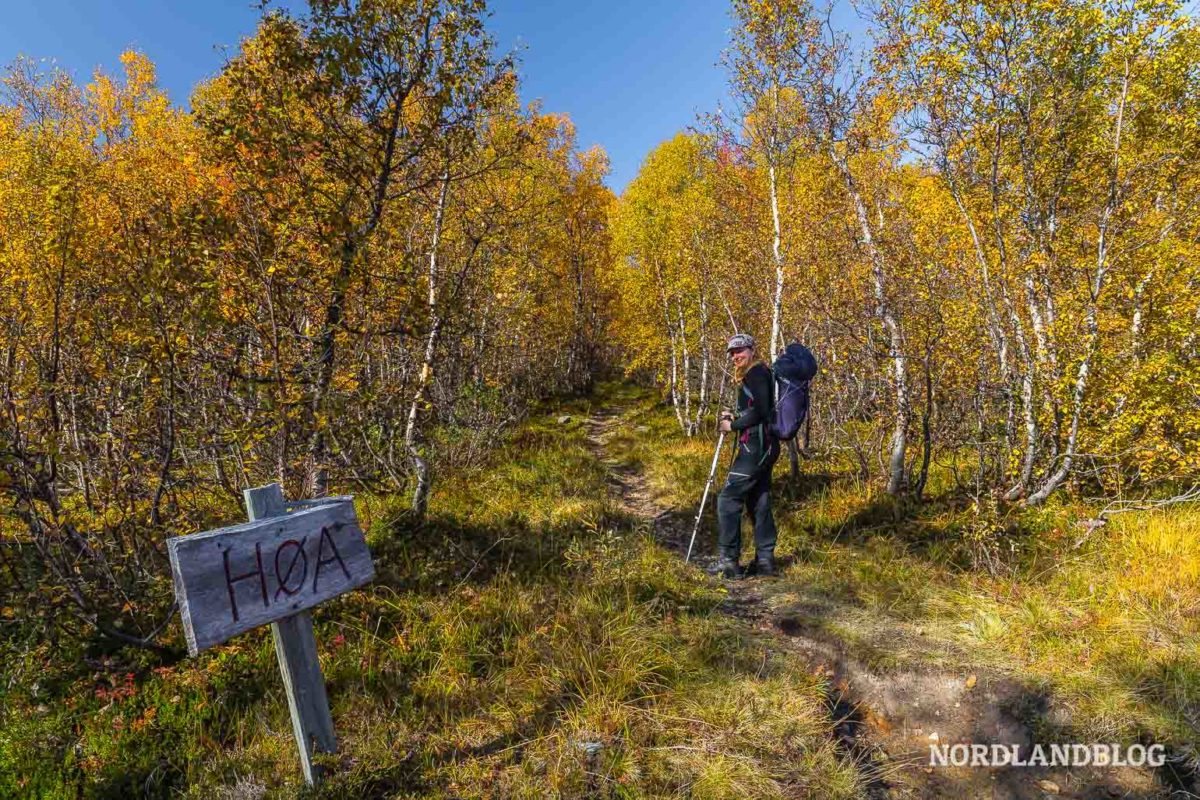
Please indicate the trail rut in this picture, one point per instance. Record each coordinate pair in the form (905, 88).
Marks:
(894, 690)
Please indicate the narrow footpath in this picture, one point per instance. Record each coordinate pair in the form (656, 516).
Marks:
(894, 689)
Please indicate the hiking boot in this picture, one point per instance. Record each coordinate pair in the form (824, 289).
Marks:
(764, 565)
(726, 568)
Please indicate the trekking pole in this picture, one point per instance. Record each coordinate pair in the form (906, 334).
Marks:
(712, 473)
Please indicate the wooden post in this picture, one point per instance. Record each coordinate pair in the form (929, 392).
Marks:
(296, 649)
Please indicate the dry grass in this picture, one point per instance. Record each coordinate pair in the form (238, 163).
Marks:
(1108, 624)
(528, 640)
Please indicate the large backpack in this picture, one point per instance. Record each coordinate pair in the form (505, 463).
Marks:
(794, 368)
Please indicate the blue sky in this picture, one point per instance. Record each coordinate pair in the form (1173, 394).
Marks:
(629, 73)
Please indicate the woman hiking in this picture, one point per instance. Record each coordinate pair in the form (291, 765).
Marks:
(748, 485)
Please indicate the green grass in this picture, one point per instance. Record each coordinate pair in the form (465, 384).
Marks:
(1109, 623)
(527, 640)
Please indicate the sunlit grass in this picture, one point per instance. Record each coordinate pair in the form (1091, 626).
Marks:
(531, 639)
(1109, 622)
(528, 640)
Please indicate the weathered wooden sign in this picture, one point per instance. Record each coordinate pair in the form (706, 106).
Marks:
(233, 579)
(287, 559)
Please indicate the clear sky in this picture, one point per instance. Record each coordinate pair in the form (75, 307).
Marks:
(629, 72)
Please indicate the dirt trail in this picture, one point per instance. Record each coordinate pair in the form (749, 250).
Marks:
(894, 688)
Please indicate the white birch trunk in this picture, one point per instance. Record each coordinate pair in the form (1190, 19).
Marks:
(1027, 359)
(420, 464)
(1096, 286)
(995, 327)
(777, 255)
(1028, 410)
(896, 471)
(671, 337)
(687, 372)
(705, 351)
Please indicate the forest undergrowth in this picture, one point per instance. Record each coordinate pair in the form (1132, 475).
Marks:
(527, 640)
(532, 638)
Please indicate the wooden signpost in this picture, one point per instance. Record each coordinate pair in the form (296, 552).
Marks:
(288, 558)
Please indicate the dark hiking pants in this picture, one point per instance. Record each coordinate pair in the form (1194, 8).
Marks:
(748, 489)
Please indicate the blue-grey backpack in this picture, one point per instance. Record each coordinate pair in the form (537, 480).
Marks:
(794, 368)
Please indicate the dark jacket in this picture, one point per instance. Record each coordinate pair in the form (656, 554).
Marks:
(754, 400)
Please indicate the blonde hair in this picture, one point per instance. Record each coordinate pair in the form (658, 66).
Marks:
(739, 373)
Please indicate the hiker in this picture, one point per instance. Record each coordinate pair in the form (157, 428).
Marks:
(748, 485)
